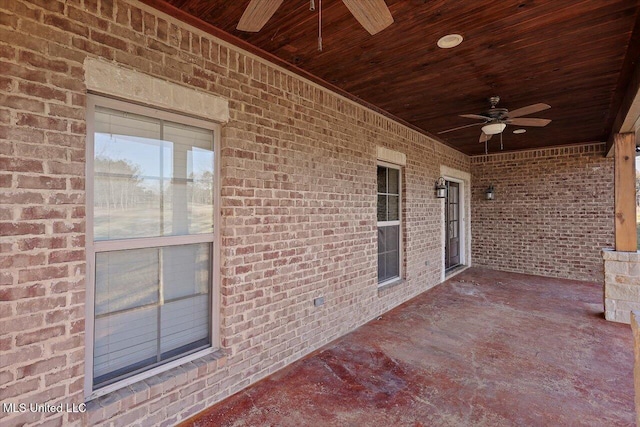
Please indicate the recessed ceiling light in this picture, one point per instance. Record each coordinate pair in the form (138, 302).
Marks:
(449, 41)
(519, 131)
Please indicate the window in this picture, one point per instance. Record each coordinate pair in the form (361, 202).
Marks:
(389, 231)
(151, 237)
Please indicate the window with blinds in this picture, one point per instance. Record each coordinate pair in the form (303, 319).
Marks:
(388, 210)
(152, 240)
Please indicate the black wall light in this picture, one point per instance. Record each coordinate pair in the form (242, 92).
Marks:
(441, 188)
(489, 193)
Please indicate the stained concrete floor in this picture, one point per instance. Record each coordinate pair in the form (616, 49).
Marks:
(485, 348)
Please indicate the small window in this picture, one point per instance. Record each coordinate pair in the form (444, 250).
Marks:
(389, 220)
(151, 199)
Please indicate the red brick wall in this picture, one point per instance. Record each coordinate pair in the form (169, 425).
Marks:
(298, 208)
(552, 213)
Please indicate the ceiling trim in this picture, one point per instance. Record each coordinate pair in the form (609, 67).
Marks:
(189, 19)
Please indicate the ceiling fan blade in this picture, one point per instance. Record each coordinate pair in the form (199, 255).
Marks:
(484, 137)
(373, 15)
(529, 109)
(460, 127)
(257, 14)
(527, 121)
(474, 116)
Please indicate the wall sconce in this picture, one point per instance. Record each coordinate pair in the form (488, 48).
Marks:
(489, 193)
(441, 188)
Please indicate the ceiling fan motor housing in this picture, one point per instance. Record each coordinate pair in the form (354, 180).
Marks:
(497, 113)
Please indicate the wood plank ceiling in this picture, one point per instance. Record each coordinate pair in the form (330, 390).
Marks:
(575, 55)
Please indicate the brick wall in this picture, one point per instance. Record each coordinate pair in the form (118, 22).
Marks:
(552, 213)
(298, 209)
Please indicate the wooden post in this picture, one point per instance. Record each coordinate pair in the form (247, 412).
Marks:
(625, 192)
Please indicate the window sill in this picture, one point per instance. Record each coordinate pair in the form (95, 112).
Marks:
(384, 288)
(102, 406)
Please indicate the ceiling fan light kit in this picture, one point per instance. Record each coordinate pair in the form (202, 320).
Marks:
(493, 128)
(495, 120)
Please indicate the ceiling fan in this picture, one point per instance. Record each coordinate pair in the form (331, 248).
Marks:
(495, 120)
(373, 15)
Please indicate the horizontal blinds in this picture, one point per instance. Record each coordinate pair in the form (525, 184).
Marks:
(149, 302)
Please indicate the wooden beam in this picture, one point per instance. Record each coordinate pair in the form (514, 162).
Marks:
(629, 111)
(628, 92)
(625, 192)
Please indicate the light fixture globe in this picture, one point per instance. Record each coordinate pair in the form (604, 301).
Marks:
(493, 128)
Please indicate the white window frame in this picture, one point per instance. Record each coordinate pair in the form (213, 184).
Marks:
(139, 243)
(397, 222)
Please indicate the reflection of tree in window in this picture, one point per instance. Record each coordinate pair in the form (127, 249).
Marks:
(152, 179)
(125, 190)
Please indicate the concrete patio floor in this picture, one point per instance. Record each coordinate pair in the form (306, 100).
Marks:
(484, 348)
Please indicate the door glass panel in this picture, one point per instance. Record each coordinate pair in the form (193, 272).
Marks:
(452, 221)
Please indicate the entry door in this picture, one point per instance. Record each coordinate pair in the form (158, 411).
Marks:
(452, 222)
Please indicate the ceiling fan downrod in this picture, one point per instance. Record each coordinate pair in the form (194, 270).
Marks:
(319, 25)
